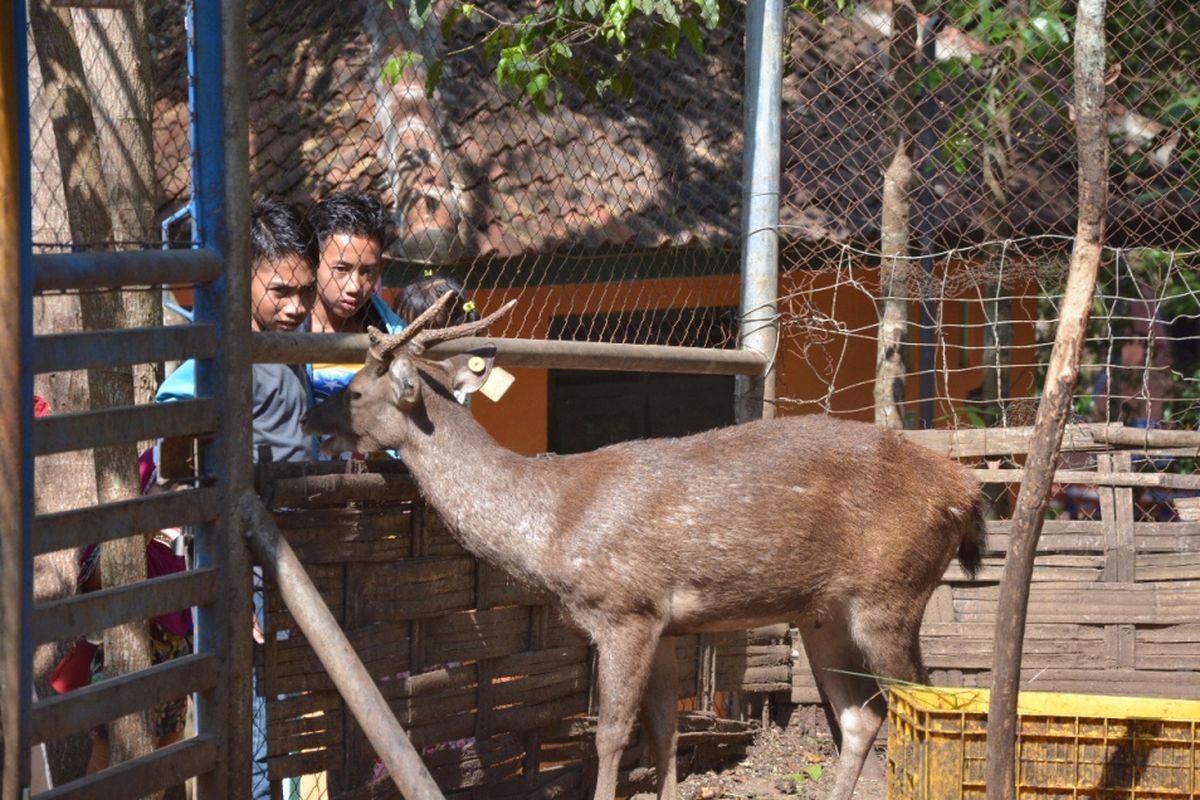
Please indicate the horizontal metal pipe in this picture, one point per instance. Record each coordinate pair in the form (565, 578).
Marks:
(83, 430)
(1161, 480)
(63, 272)
(164, 767)
(349, 348)
(71, 617)
(64, 530)
(62, 715)
(60, 352)
(353, 682)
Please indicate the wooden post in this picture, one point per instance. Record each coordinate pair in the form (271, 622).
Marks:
(15, 410)
(351, 678)
(1056, 398)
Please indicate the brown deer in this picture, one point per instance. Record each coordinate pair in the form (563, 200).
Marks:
(840, 527)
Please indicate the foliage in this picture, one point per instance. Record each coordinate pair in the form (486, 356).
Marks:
(810, 773)
(558, 43)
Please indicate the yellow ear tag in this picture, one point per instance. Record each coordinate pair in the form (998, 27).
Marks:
(476, 365)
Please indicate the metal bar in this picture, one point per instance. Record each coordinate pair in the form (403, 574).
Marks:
(69, 272)
(755, 393)
(16, 399)
(143, 776)
(304, 348)
(109, 699)
(927, 143)
(71, 617)
(61, 352)
(67, 529)
(221, 198)
(353, 682)
(83, 430)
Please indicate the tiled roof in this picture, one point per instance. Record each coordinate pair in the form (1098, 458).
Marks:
(473, 174)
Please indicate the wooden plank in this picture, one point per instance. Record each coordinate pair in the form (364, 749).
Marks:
(327, 490)
(62, 352)
(69, 529)
(84, 430)
(85, 708)
(1083, 477)
(975, 442)
(70, 617)
(1097, 604)
(168, 766)
(73, 272)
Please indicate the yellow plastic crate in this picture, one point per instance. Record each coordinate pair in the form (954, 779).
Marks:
(1068, 746)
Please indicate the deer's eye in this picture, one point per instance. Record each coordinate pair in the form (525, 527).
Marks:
(355, 395)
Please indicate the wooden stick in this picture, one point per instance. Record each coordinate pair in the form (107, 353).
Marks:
(351, 678)
(1056, 398)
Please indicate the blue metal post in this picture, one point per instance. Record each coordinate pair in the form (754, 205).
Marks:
(221, 210)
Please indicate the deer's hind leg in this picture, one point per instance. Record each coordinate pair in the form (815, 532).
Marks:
(660, 712)
(626, 658)
(842, 672)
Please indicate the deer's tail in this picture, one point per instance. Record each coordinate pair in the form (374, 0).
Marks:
(970, 549)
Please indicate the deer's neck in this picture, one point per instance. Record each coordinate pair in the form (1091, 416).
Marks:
(493, 499)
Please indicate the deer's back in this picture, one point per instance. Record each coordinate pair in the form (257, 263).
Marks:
(803, 505)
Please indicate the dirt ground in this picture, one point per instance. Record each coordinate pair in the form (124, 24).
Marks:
(788, 763)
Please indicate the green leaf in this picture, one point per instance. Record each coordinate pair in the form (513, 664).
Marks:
(433, 77)
(691, 31)
(418, 13)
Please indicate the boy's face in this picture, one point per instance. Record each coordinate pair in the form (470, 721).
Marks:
(281, 294)
(347, 272)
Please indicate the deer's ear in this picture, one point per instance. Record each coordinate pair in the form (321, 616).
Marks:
(470, 370)
(405, 382)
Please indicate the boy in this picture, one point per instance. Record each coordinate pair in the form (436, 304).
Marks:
(351, 230)
(283, 256)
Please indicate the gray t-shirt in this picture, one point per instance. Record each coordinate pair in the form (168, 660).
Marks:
(281, 396)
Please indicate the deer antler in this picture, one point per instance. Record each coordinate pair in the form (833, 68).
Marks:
(383, 346)
(432, 336)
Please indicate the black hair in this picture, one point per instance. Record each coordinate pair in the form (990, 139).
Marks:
(277, 231)
(421, 294)
(354, 213)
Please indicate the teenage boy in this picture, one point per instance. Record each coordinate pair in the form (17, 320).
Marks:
(283, 290)
(352, 229)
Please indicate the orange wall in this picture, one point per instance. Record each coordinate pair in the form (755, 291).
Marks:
(828, 338)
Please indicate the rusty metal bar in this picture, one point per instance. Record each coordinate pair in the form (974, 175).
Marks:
(304, 348)
(16, 398)
(83, 526)
(71, 617)
(143, 776)
(60, 352)
(353, 682)
(85, 708)
(83, 430)
(73, 272)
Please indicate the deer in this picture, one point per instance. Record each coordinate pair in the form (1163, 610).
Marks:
(841, 528)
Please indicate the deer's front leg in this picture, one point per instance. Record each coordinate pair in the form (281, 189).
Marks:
(626, 655)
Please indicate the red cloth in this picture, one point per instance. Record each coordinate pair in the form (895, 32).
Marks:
(75, 670)
(40, 407)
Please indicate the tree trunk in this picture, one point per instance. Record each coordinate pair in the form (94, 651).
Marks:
(1056, 399)
(115, 469)
(894, 224)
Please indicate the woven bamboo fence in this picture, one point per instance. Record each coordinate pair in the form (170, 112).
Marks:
(1115, 603)
(493, 688)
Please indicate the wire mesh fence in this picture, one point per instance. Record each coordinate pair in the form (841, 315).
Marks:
(620, 221)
